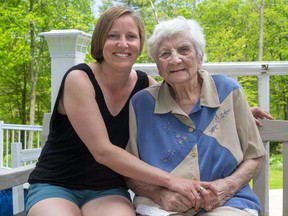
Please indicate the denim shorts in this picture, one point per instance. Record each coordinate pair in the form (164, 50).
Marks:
(38, 192)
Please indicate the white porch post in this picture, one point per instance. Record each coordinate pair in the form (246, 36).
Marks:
(264, 103)
(67, 48)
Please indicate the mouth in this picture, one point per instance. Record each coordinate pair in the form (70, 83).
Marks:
(178, 70)
(122, 55)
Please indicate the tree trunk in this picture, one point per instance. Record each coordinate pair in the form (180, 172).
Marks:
(33, 78)
(154, 12)
(261, 30)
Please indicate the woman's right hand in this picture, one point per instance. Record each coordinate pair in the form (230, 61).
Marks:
(196, 191)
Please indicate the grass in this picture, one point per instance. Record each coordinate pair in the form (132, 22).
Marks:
(276, 179)
(276, 172)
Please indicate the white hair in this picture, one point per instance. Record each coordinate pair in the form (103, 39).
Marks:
(171, 27)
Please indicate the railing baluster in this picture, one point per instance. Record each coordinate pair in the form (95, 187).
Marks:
(285, 177)
(7, 149)
(11, 133)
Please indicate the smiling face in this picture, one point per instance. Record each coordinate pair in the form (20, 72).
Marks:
(177, 60)
(122, 45)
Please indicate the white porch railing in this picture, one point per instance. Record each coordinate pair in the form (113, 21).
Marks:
(31, 136)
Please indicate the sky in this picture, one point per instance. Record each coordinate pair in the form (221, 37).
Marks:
(95, 7)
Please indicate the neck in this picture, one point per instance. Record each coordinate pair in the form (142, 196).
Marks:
(187, 96)
(112, 78)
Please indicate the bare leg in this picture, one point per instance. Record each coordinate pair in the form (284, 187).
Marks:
(55, 207)
(109, 206)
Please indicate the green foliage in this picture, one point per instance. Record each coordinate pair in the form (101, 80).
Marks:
(276, 39)
(279, 95)
(249, 84)
(24, 57)
(276, 179)
(231, 28)
(276, 161)
(276, 171)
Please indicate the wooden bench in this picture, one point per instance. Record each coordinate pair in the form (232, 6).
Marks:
(272, 130)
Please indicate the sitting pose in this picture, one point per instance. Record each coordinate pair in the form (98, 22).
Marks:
(80, 170)
(194, 125)
(81, 167)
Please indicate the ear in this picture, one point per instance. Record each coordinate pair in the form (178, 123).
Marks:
(200, 58)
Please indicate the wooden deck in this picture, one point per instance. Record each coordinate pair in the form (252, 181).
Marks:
(275, 202)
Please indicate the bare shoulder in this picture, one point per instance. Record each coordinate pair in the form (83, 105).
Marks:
(76, 74)
(77, 78)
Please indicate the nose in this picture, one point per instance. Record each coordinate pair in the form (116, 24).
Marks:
(175, 58)
(122, 42)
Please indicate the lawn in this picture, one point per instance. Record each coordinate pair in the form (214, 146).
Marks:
(276, 179)
(276, 172)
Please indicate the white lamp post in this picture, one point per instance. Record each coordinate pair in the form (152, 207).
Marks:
(67, 48)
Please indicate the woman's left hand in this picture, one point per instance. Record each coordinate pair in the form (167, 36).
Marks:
(226, 190)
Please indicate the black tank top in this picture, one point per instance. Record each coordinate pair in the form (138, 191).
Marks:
(66, 161)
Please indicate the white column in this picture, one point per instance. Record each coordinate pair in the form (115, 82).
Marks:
(67, 48)
(264, 92)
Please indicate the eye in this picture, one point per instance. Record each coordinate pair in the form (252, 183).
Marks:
(132, 36)
(184, 49)
(164, 54)
(112, 36)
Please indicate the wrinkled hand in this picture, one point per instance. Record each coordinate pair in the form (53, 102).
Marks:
(226, 190)
(197, 192)
(259, 113)
(173, 201)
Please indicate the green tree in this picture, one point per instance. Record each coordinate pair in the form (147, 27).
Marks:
(275, 49)
(231, 28)
(24, 58)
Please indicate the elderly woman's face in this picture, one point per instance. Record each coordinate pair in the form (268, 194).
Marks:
(177, 60)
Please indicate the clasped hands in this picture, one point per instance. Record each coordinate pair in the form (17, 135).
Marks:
(207, 195)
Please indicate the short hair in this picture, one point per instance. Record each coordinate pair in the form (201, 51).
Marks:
(171, 27)
(104, 25)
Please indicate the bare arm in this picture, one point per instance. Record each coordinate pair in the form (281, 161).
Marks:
(85, 117)
(168, 200)
(171, 200)
(228, 186)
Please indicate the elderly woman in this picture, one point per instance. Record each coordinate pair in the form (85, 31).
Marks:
(193, 125)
